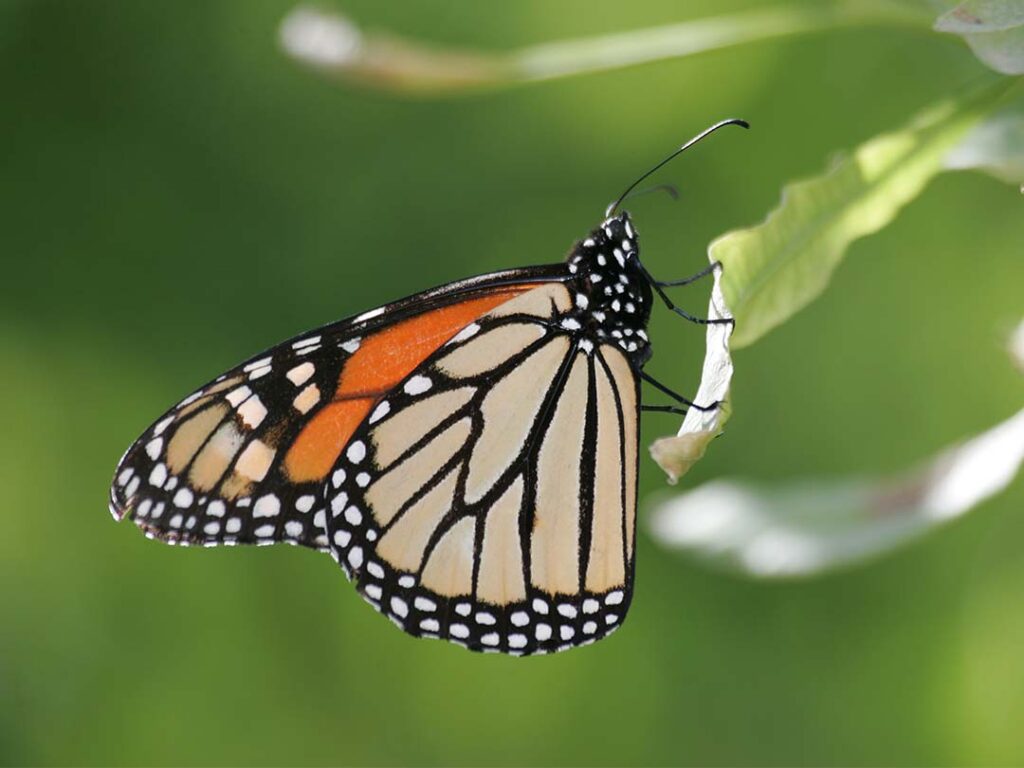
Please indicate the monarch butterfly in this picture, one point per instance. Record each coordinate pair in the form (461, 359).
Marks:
(468, 455)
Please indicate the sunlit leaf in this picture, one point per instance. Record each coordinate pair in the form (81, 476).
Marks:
(1016, 346)
(336, 46)
(995, 146)
(774, 269)
(677, 454)
(807, 527)
(994, 29)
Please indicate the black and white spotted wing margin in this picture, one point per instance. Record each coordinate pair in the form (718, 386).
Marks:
(210, 471)
(490, 500)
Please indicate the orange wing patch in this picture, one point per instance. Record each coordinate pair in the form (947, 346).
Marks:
(380, 363)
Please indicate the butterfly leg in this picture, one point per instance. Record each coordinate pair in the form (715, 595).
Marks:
(664, 409)
(657, 286)
(691, 279)
(675, 396)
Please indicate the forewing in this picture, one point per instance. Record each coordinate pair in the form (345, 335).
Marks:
(245, 458)
(489, 498)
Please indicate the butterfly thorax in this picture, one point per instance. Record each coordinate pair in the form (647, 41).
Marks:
(612, 295)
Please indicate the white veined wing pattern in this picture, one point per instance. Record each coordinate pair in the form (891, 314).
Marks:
(490, 498)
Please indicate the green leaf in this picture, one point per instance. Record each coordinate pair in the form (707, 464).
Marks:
(994, 29)
(774, 269)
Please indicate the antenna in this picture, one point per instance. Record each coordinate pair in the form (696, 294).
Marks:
(708, 131)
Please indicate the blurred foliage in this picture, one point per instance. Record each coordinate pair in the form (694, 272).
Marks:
(336, 46)
(811, 526)
(179, 195)
(994, 29)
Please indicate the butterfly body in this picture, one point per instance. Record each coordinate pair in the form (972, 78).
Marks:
(467, 455)
(613, 296)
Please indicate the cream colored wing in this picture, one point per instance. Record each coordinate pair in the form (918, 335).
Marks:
(490, 498)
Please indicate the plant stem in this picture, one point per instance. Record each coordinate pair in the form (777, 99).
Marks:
(334, 45)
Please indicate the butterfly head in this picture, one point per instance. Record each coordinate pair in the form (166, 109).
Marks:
(613, 296)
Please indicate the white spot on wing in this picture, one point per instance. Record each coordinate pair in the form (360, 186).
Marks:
(469, 331)
(238, 395)
(158, 476)
(154, 447)
(424, 604)
(300, 374)
(417, 385)
(355, 557)
(252, 412)
(400, 607)
(262, 362)
(354, 516)
(356, 452)
(382, 410)
(267, 506)
(369, 315)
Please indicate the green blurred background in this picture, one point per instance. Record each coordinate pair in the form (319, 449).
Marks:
(177, 195)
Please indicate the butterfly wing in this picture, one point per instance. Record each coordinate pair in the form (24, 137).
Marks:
(244, 459)
(489, 498)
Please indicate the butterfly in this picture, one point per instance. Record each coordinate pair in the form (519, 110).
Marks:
(468, 455)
